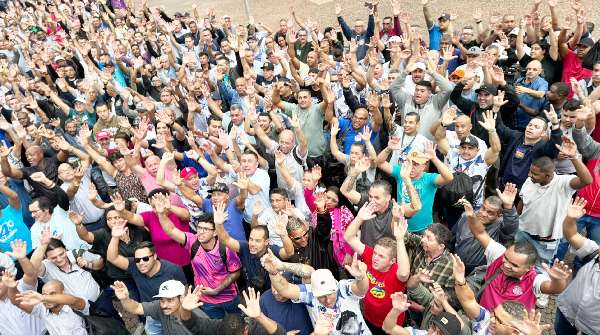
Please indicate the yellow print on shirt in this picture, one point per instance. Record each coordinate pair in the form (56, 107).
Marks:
(378, 289)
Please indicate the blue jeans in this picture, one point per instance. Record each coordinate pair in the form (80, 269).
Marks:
(218, 311)
(586, 225)
(545, 250)
(153, 327)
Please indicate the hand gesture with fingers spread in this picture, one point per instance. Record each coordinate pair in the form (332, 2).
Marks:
(191, 300)
(576, 208)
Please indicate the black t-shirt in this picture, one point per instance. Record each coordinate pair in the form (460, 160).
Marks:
(49, 166)
(262, 81)
(100, 246)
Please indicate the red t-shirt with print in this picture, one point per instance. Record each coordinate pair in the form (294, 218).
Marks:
(381, 285)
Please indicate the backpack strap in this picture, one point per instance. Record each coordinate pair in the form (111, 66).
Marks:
(488, 282)
(223, 254)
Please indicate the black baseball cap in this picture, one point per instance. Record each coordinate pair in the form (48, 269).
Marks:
(219, 187)
(447, 323)
(588, 42)
(491, 89)
(268, 66)
(470, 140)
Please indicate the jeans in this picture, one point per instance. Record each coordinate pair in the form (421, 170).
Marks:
(153, 327)
(562, 326)
(545, 249)
(218, 311)
(586, 225)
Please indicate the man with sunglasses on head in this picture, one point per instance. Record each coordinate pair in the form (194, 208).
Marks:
(147, 271)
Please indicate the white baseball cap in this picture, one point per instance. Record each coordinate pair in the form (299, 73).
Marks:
(323, 283)
(170, 289)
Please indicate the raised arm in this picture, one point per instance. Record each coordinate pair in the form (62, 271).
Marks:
(129, 305)
(163, 207)
(476, 227)
(351, 233)
(112, 253)
(220, 216)
(400, 226)
(575, 210)
(465, 295)
(333, 145)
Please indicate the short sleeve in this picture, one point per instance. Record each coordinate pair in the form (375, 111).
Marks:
(305, 295)
(588, 248)
(38, 310)
(396, 171)
(493, 251)
(233, 261)
(345, 289)
(431, 179)
(189, 241)
(288, 108)
(540, 278)
(152, 309)
(275, 249)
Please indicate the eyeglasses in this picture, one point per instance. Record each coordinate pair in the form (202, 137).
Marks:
(298, 238)
(204, 229)
(145, 259)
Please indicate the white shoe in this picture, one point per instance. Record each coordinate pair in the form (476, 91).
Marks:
(542, 301)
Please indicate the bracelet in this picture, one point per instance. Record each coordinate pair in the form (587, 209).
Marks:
(459, 284)
(477, 22)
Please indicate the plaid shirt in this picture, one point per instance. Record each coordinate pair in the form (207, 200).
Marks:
(440, 267)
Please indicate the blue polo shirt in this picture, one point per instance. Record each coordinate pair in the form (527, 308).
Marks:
(435, 37)
(350, 135)
(521, 117)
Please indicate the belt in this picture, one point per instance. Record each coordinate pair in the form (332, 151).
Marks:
(541, 239)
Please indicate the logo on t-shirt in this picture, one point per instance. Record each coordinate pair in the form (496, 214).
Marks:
(517, 290)
(7, 231)
(377, 292)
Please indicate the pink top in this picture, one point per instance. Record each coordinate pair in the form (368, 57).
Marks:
(503, 289)
(167, 248)
(209, 270)
(150, 184)
(573, 68)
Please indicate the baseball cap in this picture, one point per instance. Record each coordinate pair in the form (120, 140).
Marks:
(418, 157)
(80, 99)
(474, 51)
(460, 73)
(268, 66)
(323, 283)
(470, 140)
(102, 135)
(58, 58)
(447, 323)
(491, 89)
(420, 65)
(394, 39)
(445, 17)
(170, 289)
(219, 187)
(588, 42)
(188, 172)
(515, 31)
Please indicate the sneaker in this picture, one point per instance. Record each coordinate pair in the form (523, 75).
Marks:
(542, 301)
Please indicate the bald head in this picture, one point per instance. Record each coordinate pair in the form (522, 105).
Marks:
(534, 70)
(462, 126)
(54, 286)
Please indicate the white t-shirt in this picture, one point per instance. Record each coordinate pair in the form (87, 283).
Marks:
(347, 305)
(545, 207)
(65, 322)
(81, 203)
(59, 225)
(260, 178)
(14, 321)
(408, 144)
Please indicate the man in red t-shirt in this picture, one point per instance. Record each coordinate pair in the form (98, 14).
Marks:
(388, 267)
(573, 60)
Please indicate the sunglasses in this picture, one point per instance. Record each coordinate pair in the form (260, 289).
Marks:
(298, 238)
(145, 259)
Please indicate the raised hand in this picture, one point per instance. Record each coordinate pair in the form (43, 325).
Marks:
(242, 182)
(75, 217)
(400, 302)
(406, 169)
(19, 249)
(168, 156)
(119, 229)
(430, 150)
(498, 100)
(45, 235)
(270, 262)
(220, 213)
(366, 212)
(424, 276)
(394, 143)
(30, 298)
(551, 115)
(438, 293)
(366, 134)
(252, 308)
(576, 208)
(358, 269)
(489, 120)
(257, 208)
(118, 202)
(530, 324)
(400, 225)
(469, 212)
(280, 227)
(320, 201)
(120, 289)
(558, 271)
(191, 300)
(567, 150)
(458, 268)
(508, 195)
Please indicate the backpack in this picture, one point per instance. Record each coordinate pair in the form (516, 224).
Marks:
(222, 253)
(460, 187)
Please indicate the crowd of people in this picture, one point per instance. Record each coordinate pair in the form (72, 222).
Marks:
(391, 176)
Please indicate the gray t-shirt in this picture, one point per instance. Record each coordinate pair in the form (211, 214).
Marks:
(376, 228)
(170, 325)
(311, 122)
